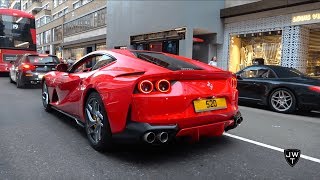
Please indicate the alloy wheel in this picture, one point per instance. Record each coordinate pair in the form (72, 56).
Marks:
(281, 100)
(95, 120)
(45, 95)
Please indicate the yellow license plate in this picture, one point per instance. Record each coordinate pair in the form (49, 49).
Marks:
(209, 104)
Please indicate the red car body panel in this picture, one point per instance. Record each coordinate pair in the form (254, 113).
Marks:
(116, 83)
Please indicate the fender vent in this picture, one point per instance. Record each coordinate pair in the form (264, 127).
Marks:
(55, 97)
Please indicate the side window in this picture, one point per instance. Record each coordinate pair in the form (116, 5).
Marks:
(251, 72)
(86, 64)
(104, 60)
(271, 74)
(265, 73)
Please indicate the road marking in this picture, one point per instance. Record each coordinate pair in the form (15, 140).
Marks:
(270, 147)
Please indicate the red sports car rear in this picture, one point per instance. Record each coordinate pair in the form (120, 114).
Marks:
(140, 96)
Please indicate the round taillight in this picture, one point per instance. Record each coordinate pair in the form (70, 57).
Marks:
(145, 86)
(163, 85)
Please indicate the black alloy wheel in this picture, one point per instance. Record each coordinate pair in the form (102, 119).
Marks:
(97, 124)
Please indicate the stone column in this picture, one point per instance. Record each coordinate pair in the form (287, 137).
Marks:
(186, 45)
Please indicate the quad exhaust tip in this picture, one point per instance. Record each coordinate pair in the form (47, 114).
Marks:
(163, 137)
(149, 137)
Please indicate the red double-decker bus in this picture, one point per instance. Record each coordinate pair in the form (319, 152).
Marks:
(17, 36)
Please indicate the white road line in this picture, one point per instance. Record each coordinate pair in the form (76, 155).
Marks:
(270, 147)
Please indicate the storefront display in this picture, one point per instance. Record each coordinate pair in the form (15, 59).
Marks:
(254, 48)
(313, 63)
(74, 53)
(101, 46)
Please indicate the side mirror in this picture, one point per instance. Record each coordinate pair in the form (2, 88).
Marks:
(62, 67)
(239, 77)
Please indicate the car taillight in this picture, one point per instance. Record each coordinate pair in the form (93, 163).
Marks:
(26, 67)
(315, 88)
(234, 82)
(163, 85)
(145, 86)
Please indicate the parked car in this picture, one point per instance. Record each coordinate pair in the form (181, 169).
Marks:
(142, 96)
(30, 68)
(282, 89)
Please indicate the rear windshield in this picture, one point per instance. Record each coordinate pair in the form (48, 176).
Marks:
(289, 73)
(43, 60)
(165, 61)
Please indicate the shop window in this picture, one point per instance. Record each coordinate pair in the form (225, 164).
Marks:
(313, 63)
(171, 47)
(101, 47)
(246, 48)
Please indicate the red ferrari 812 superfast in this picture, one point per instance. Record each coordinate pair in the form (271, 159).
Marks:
(141, 96)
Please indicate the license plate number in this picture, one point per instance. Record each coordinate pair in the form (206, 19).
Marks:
(203, 105)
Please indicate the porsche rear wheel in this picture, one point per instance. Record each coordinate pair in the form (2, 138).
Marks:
(97, 124)
(45, 97)
(282, 100)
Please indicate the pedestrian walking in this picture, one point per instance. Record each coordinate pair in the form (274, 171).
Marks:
(213, 61)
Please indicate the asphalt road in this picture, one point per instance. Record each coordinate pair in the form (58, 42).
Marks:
(38, 145)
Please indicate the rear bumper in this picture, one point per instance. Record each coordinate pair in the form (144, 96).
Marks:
(135, 131)
(309, 101)
(32, 78)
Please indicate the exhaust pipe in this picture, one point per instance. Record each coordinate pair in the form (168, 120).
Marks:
(163, 137)
(237, 121)
(149, 137)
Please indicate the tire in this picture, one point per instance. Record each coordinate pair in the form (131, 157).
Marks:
(19, 83)
(45, 97)
(97, 124)
(282, 100)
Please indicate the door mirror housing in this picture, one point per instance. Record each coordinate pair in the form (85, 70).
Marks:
(62, 67)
